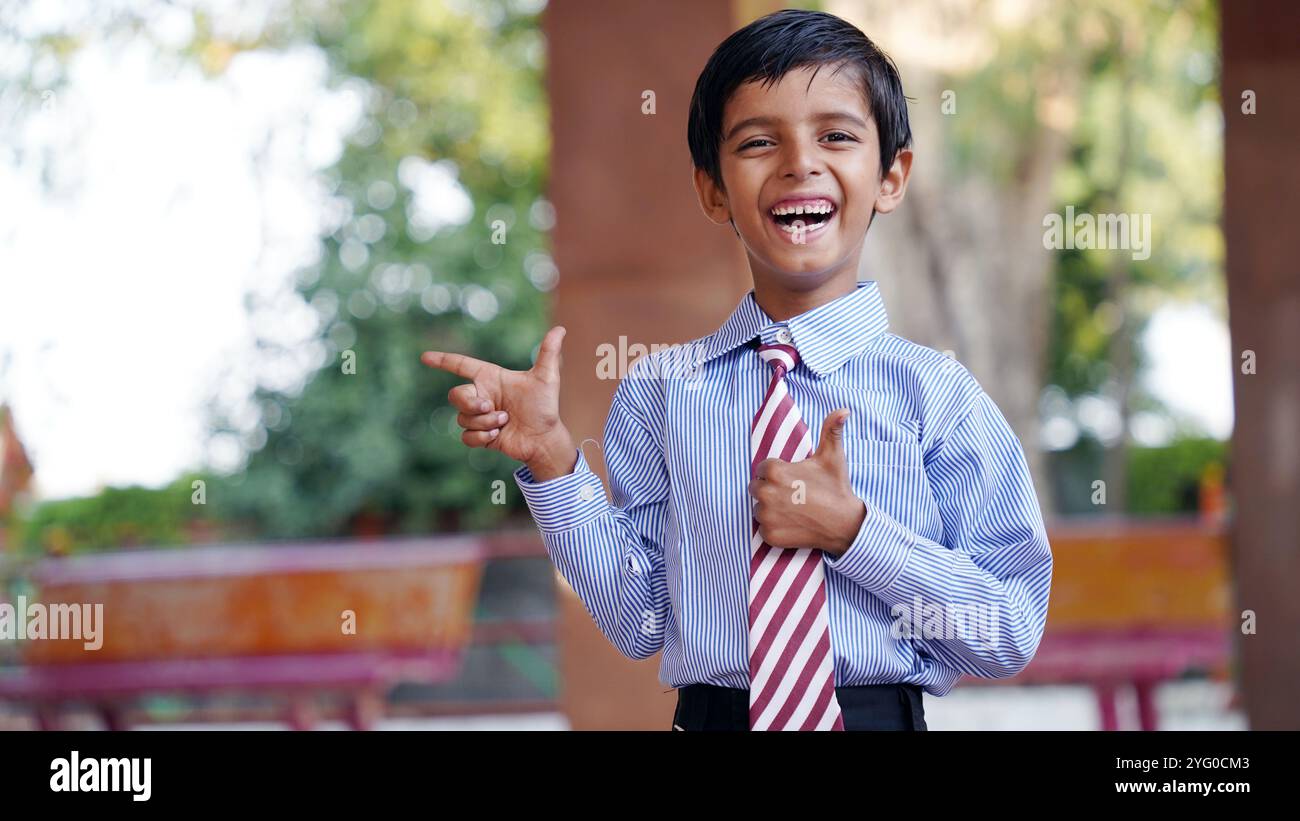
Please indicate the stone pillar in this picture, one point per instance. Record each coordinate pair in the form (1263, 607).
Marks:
(1261, 199)
(636, 255)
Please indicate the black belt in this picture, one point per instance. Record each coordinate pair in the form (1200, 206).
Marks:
(865, 707)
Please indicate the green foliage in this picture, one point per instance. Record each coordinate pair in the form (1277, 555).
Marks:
(1147, 141)
(381, 444)
(1166, 479)
(1161, 480)
(114, 518)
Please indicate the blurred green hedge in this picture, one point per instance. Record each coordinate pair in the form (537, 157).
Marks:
(1162, 481)
(115, 518)
(1167, 479)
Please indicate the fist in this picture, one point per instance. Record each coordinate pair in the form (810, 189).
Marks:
(809, 503)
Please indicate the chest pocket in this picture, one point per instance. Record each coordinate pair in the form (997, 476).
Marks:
(883, 452)
(891, 475)
(878, 417)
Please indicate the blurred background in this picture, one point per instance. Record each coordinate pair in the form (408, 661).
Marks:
(228, 230)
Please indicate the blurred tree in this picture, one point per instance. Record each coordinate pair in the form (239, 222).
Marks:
(1148, 142)
(437, 239)
(454, 121)
(1021, 110)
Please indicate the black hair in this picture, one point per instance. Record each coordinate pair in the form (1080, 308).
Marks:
(780, 42)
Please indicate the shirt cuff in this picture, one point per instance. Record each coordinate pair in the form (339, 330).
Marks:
(879, 552)
(564, 502)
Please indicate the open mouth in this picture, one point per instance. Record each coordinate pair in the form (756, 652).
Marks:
(802, 218)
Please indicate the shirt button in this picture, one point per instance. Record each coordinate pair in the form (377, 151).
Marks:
(586, 494)
(783, 336)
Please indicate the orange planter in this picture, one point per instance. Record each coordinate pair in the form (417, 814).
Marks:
(1133, 574)
(411, 596)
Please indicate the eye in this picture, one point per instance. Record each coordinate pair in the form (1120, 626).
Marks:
(753, 143)
(840, 134)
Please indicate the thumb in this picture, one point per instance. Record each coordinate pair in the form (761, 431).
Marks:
(832, 439)
(547, 365)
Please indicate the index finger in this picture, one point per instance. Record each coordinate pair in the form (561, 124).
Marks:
(464, 366)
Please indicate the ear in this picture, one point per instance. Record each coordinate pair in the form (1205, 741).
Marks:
(712, 198)
(894, 185)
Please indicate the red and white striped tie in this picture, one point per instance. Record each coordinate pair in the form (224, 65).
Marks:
(791, 666)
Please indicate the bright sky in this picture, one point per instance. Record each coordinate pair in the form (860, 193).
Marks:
(121, 296)
(1190, 355)
(121, 291)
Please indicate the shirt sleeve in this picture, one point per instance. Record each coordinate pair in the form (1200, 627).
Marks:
(977, 602)
(611, 553)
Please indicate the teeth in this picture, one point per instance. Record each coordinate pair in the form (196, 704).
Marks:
(811, 208)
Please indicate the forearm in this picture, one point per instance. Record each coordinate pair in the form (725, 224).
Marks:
(601, 552)
(951, 601)
(622, 585)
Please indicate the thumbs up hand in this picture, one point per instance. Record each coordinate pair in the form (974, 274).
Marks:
(809, 503)
(515, 412)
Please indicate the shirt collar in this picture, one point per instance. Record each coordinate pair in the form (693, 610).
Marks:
(826, 336)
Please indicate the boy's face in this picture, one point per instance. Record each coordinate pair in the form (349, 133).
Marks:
(795, 146)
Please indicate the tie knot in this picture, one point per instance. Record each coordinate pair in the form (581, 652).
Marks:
(784, 357)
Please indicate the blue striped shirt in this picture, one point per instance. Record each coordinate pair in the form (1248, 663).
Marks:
(949, 573)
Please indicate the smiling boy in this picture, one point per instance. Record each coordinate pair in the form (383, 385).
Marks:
(790, 584)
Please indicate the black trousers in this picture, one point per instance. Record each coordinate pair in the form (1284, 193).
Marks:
(869, 707)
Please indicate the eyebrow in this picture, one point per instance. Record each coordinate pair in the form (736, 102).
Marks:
(820, 117)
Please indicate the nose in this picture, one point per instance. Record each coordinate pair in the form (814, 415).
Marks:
(800, 160)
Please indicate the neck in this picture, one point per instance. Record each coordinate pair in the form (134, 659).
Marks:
(780, 301)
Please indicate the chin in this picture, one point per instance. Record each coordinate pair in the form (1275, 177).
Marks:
(803, 263)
